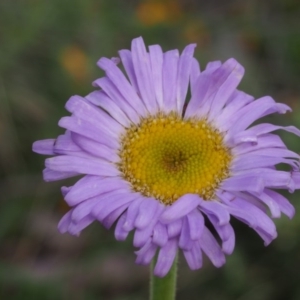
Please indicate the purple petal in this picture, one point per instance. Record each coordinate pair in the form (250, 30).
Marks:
(185, 241)
(180, 208)
(50, 175)
(216, 209)
(44, 147)
(147, 210)
(160, 234)
(146, 253)
(89, 130)
(228, 245)
(170, 66)
(126, 58)
(195, 72)
(121, 83)
(235, 103)
(211, 248)
(242, 214)
(194, 256)
(296, 179)
(65, 190)
(247, 197)
(245, 182)
(156, 60)
(84, 208)
(95, 148)
(120, 233)
(253, 111)
(165, 258)
(273, 206)
(142, 235)
(115, 96)
(213, 65)
(183, 76)
(141, 64)
(99, 98)
(76, 228)
(234, 72)
(261, 129)
(113, 216)
(90, 186)
(65, 222)
(200, 88)
(226, 234)
(75, 164)
(275, 153)
(269, 141)
(250, 161)
(132, 213)
(104, 200)
(174, 228)
(244, 139)
(82, 109)
(255, 218)
(208, 86)
(271, 178)
(196, 224)
(64, 145)
(285, 206)
(113, 203)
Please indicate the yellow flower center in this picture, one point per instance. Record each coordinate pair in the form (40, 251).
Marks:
(166, 157)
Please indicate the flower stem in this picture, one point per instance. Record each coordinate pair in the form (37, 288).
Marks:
(163, 288)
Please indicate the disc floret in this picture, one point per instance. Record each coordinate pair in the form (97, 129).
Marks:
(165, 157)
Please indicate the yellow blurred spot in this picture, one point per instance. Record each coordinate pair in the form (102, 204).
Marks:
(250, 40)
(74, 61)
(196, 32)
(152, 12)
(62, 206)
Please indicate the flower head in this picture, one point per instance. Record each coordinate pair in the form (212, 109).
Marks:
(157, 162)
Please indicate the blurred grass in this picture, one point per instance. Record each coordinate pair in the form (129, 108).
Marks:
(48, 52)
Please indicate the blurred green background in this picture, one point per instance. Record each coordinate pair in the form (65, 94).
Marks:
(48, 52)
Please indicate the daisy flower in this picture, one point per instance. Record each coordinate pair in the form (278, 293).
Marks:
(164, 162)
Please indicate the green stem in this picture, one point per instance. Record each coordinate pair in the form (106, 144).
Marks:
(163, 288)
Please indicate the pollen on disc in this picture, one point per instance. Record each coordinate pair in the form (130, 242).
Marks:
(166, 157)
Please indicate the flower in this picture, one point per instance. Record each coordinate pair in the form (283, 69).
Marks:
(157, 162)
